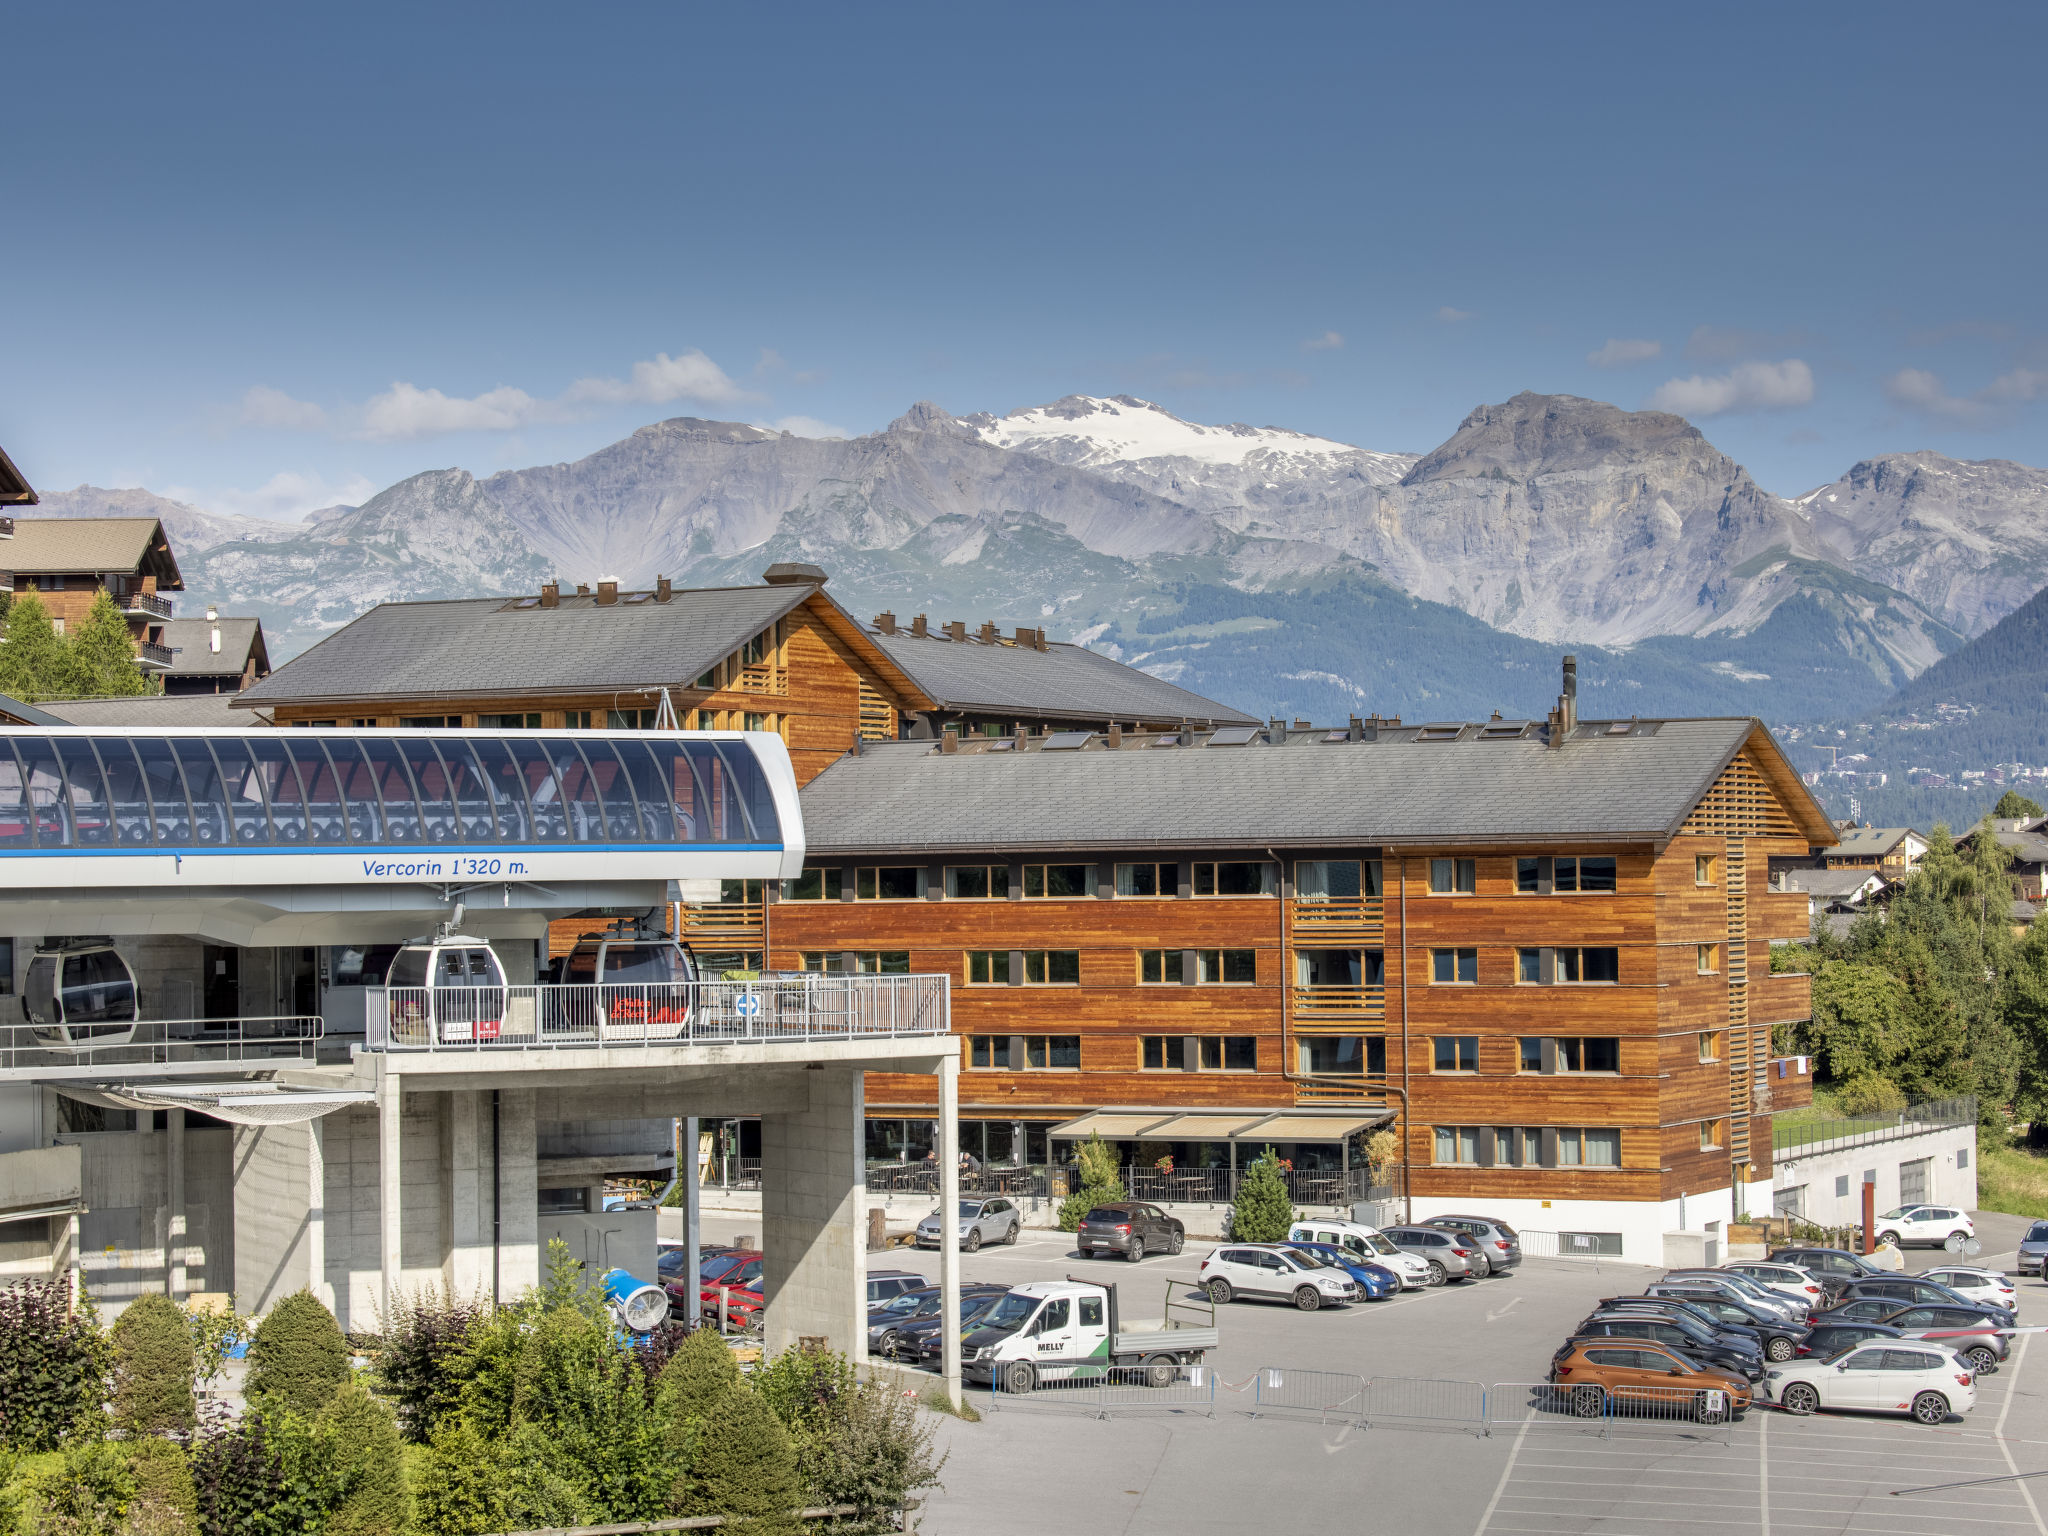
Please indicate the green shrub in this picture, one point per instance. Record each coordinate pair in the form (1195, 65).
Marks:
(746, 1470)
(53, 1365)
(418, 1357)
(359, 1446)
(696, 1377)
(153, 1368)
(802, 1387)
(87, 1494)
(856, 1442)
(1262, 1212)
(238, 1481)
(469, 1485)
(1101, 1182)
(1869, 1094)
(165, 1500)
(297, 1358)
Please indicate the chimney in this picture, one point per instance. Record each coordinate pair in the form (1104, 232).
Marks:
(886, 623)
(607, 593)
(918, 627)
(949, 741)
(213, 640)
(988, 634)
(1023, 635)
(1357, 730)
(1038, 640)
(551, 594)
(956, 629)
(1116, 733)
(663, 589)
(582, 589)
(1301, 724)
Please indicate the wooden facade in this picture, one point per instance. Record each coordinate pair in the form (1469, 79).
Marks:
(68, 562)
(1681, 1033)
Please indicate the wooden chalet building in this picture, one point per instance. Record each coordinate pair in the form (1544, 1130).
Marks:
(67, 561)
(1549, 941)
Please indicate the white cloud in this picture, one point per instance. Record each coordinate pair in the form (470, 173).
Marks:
(693, 376)
(405, 410)
(1745, 387)
(1329, 341)
(1919, 390)
(1623, 352)
(263, 406)
(286, 495)
(1453, 316)
(808, 426)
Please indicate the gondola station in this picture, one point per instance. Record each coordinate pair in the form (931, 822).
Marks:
(284, 1015)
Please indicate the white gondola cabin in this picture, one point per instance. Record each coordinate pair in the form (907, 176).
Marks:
(447, 990)
(79, 992)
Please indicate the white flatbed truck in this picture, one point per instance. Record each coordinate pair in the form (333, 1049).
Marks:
(1057, 1330)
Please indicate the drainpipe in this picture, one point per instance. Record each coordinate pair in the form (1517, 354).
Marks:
(1407, 1185)
(497, 1204)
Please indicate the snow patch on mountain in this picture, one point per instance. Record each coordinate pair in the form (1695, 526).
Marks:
(1094, 433)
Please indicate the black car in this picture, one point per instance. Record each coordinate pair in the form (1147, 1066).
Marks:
(1828, 1340)
(1908, 1291)
(1779, 1339)
(1685, 1314)
(1130, 1228)
(887, 1324)
(1832, 1267)
(1686, 1338)
(924, 1341)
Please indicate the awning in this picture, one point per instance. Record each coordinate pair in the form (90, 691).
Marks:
(239, 1103)
(1209, 1127)
(1111, 1123)
(1319, 1127)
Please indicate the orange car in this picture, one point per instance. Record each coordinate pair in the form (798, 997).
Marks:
(1590, 1374)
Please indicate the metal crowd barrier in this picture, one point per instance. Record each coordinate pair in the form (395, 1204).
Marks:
(1520, 1405)
(1322, 1393)
(1423, 1400)
(1103, 1390)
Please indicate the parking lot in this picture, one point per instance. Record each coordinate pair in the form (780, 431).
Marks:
(1044, 1465)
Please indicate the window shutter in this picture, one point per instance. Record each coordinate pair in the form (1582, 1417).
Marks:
(934, 882)
(846, 883)
(1187, 877)
(1547, 962)
(1191, 1053)
(1488, 1142)
(1017, 968)
(1549, 1139)
(1546, 879)
(1017, 1052)
(1549, 1050)
(1189, 966)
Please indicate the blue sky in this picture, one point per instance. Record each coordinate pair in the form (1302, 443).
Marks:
(267, 258)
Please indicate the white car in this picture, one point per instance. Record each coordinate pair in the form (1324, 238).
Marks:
(1275, 1272)
(1887, 1376)
(1740, 1287)
(1985, 1286)
(1368, 1243)
(1788, 1280)
(1931, 1224)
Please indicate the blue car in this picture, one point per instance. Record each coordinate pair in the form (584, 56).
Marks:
(1376, 1281)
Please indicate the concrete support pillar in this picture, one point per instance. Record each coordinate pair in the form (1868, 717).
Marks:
(316, 1213)
(813, 1206)
(519, 1260)
(693, 1221)
(466, 1269)
(390, 1128)
(949, 1226)
(174, 1200)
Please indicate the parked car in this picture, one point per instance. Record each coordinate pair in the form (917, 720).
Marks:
(1500, 1250)
(1788, 1280)
(1985, 1287)
(1642, 1373)
(1375, 1281)
(1741, 1288)
(1926, 1225)
(1976, 1335)
(1829, 1339)
(1907, 1289)
(1275, 1272)
(1832, 1267)
(989, 1219)
(923, 1340)
(884, 1283)
(1448, 1255)
(1779, 1336)
(2033, 1249)
(1736, 1336)
(1924, 1380)
(1132, 1228)
(1692, 1340)
(1366, 1243)
(886, 1323)
(735, 1275)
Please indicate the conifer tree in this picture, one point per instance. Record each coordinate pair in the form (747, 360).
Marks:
(153, 1368)
(35, 663)
(747, 1470)
(298, 1358)
(359, 1437)
(1262, 1212)
(103, 654)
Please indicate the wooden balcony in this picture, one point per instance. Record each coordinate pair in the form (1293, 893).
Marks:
(724, 924)
(1355, 918)
(1786, 998)
(1363, 1093)
(761, 678)
(1348, 1005)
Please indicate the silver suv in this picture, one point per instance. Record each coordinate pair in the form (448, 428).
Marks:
(1499, 1249)
(2033, 1249)
(1450, 1255)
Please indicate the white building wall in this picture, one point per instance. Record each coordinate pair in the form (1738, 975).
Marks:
(1829, 1185)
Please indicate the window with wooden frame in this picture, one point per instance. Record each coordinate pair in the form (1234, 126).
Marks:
(1703, 869)
(1042, 968)
(866, 962)
(1236, 878)
(1709, 962)
(1341, 1055)
(1148, 879)
(1454, 1053)
(1052, 882)
(1040, 1053)
(1598, 965)
(1568, 875)
(988, 967)
(1212, 1053)
(902, 882)
(978, 882)
(810, 885)
(1453, 877)
(1588, 1053)
(1710, 1045)
(1710, 1135)
(1453, 967)
(1586, 1148)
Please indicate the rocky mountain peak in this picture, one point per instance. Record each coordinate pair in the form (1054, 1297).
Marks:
(1534, 434)
(694, 429)
(925, 416)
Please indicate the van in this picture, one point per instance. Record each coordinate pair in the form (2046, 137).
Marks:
(1367, 1243)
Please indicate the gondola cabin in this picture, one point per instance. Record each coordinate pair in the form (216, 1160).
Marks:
(447, 990)
(627, 984)
(80, 992)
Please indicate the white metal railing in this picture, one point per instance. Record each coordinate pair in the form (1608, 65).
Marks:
(45, 1053)
(797, 1005)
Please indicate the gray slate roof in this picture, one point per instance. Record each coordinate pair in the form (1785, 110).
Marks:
(63, 544)
(2026, 836)
(1871, 842)
(490, 647)
(156, 709)
(193, 655)
(1062, 681)
(1830, 884)
(909, 797)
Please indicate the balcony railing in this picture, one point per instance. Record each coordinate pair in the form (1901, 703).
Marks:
(1331, 1185)
(1367, 1091)
(788, 1006)
(1804, 1137)
(193, 1044)
(1340, 1002)
(1314, 917)
(149, 654)
(761, 678)
(730, 922)
(145, 602)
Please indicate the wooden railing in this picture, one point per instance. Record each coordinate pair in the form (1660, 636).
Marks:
(1363, 1092)
(1360, 916)
(723, 922)
(1340, 1002)
(763, 677)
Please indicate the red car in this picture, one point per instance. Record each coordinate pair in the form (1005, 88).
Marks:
(738, 1276)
